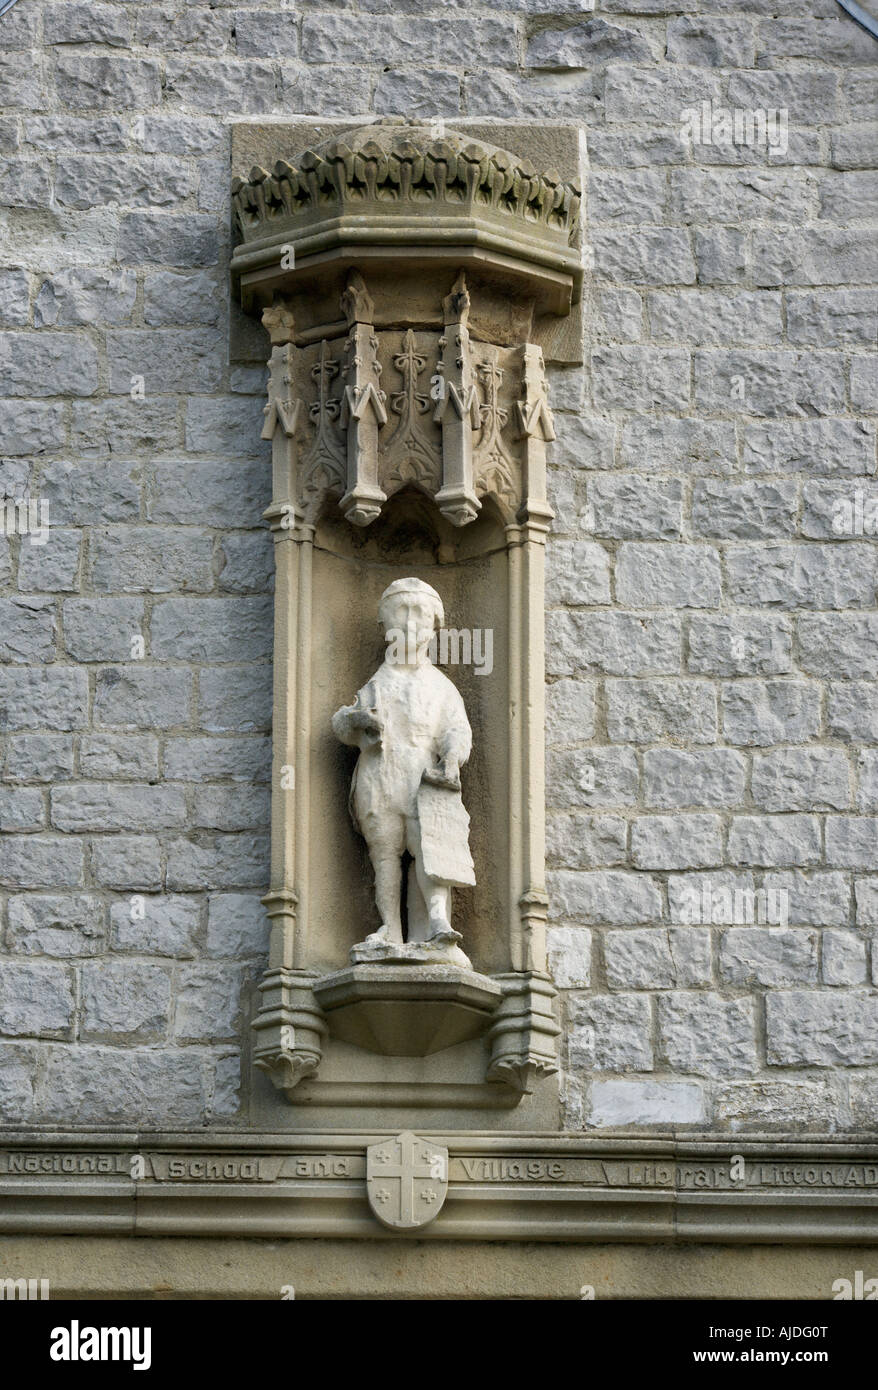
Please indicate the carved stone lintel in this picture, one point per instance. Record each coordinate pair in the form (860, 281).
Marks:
(338, 432)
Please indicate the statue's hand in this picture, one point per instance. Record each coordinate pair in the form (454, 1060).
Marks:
(445, 774)
(366, 721)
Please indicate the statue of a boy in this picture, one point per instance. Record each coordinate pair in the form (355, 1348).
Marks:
(410, 726)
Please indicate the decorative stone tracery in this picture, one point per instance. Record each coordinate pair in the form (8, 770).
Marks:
(380, 410)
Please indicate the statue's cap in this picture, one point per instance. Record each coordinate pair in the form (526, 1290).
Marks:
(409, 586)
(414, 586)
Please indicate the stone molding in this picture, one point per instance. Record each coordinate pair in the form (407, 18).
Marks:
(517, 1187)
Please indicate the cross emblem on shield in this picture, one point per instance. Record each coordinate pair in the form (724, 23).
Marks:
(406, 1180)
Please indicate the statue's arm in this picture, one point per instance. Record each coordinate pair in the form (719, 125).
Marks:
(358, 724)
(454, 743)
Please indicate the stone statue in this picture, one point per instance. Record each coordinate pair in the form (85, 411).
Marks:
(410, 725)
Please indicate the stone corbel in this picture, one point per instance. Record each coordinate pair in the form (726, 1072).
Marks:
(457, 410)
(522, 1036)
(289, 1028)
(363, 409)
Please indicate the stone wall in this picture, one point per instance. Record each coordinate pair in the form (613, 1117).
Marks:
(713, 634)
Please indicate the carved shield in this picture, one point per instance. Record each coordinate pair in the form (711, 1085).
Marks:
(406, 1180)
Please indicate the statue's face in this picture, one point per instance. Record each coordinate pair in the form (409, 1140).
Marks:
(412, 616)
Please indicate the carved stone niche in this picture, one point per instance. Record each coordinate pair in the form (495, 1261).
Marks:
(403, 280)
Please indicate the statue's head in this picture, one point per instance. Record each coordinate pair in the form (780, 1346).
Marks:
(410, 610)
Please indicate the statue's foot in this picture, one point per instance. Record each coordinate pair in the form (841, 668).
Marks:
(384, 936)
(443, 934)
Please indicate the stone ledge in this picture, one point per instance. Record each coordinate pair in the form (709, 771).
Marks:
(153, 1267)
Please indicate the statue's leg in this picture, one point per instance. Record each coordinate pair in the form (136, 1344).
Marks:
(385, 838)
(418, 925)
(437, 896)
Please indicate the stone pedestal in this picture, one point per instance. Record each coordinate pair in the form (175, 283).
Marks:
(409, 953)
(407, 1010)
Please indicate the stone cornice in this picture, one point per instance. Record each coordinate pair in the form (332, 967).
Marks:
(394, 164)
(391, 195)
